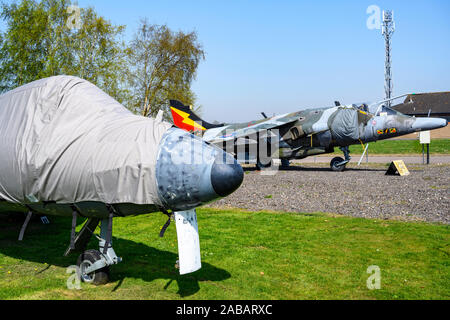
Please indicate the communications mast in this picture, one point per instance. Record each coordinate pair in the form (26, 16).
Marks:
(387, 30)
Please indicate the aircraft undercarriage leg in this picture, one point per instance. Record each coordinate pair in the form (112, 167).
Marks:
(285, 163)
(28, 217)
(24, 226)
(83, 237)
(260, 165)
(338, 164)
(346, 151)
(93, 265)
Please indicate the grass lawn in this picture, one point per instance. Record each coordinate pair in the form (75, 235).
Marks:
(412, 147)
(246, 255)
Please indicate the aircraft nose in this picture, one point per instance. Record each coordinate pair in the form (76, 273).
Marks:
(191, 172)
(226, 175)
(424, 124)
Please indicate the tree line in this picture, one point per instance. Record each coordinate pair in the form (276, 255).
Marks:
(52, 37)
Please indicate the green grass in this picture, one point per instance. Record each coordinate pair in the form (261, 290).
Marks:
(437, 146)
(246, 255)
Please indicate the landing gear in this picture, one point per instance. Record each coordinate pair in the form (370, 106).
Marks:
(86, 262)
(285, 163)
(261, 166)
(338, 164)
(93, 265)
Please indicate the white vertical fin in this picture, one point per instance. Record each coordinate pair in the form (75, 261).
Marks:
(188, 241)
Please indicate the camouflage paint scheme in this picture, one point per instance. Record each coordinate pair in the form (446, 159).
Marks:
(314, 131)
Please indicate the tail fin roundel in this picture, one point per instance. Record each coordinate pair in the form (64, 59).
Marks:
(184, 118)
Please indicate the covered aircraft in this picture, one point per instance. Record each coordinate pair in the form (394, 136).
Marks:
(304, 133)
(69, 149)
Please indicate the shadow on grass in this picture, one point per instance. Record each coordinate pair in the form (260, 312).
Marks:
(47, 243)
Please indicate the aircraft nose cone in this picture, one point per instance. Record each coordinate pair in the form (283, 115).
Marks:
(190, 172)
(423, 124)
(226, 175)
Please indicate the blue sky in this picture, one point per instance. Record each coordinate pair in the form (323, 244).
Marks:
(282, 56)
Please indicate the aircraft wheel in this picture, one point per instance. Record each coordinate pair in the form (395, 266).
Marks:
(260, 166)
(335, 167)
(285, 163)
(98, 277)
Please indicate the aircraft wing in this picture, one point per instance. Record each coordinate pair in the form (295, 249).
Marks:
(185, 118)
(232, 132)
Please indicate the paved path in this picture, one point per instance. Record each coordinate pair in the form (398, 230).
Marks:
(438, 159)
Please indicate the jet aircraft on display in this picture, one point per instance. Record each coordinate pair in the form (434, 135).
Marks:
(304, 133)
(69, 149)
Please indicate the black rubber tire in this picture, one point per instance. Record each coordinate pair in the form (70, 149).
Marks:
(336, 168)
(260, 166)
(98, 277)
(285, 163)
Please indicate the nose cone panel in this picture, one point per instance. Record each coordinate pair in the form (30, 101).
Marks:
(226, 175)
(190, 172)
(423, 124)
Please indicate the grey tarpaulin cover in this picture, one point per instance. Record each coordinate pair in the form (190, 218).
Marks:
(344, 125)
(63, 139)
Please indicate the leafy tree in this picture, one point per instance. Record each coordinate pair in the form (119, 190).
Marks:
(163, 65)
(39, 42)
(98, 54)
(50, 37)
(22, 52)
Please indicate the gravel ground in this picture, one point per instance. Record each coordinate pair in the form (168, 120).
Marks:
(359, 191)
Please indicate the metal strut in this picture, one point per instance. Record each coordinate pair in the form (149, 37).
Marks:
(25, 224)
(108, 237)
(109, 257)
(74, 226)
(83, 237)
(164, 228)
(346, 152)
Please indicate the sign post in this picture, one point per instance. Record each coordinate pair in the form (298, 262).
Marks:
(425, 139)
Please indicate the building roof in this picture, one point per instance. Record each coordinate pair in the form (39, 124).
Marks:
(422, 103)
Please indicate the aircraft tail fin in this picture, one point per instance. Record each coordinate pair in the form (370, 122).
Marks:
(185, 118)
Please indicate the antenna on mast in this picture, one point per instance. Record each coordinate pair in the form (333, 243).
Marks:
(387, 31)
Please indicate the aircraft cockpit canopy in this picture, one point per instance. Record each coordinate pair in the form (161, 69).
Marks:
(383, 110)
(386, 111)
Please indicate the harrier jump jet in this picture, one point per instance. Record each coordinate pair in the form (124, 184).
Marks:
(304, 133)
(69, 149)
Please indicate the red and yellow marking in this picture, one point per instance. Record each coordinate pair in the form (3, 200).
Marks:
(387, 131)
(182, 121)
